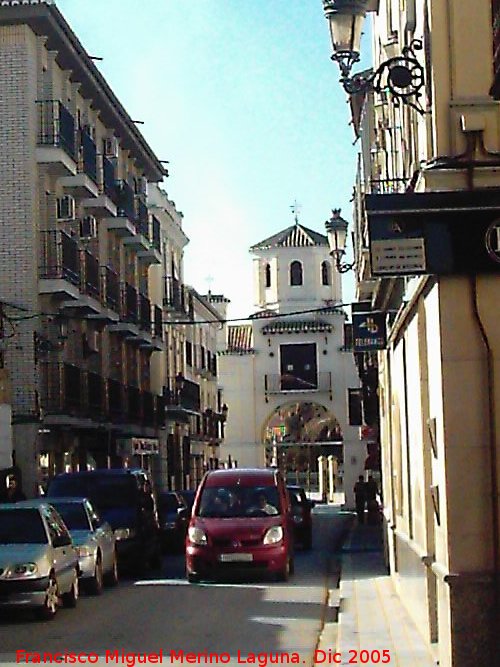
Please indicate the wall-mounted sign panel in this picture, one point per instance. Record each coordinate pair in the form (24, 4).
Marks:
(368, 331)
(442, 233)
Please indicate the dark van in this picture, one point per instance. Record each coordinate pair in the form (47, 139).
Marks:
(241, 522)
(124, 498)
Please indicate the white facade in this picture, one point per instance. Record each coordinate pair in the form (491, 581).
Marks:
(290, 360)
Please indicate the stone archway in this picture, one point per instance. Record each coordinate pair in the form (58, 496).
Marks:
(296, 434)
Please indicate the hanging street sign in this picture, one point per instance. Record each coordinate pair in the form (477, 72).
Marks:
(368, 331)
(440, 233)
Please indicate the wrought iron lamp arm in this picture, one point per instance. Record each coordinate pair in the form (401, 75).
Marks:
(401, 76)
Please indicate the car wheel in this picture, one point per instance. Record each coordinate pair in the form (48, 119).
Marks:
(96, 583)
(193, 578)
(51, 602)
(111, 577)
(71, 598)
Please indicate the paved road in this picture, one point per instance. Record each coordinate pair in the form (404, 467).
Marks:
(163, 612)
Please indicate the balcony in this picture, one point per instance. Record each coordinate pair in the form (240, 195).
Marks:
(103, 205)
(144, 313)
(157, 322)
(89, 299)
(116, 401)
(91, 275)
(140, 241)
(286, 384)
(84, 182)
(95, 396)
(68, 397)
(129, 313)
(134, 404)
(148, 409)
(111, 289)
(56, 143)
(177, 298)
(59, 269)
(182, 399)
(124, 198)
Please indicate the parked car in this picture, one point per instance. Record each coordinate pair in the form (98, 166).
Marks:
(301, 513)
(189, 495)
(38, 562)
(241, 522)
(124, 498)
(174, 517)
(94, 540)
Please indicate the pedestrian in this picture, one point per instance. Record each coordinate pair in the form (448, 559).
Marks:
(13, 493)
(371, 492)
(360, 497)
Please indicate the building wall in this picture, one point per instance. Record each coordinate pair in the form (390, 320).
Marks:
(437, 410)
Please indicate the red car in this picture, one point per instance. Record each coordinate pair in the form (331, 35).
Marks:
(241, 523)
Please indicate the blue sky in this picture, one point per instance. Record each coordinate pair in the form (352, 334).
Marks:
(242, 98)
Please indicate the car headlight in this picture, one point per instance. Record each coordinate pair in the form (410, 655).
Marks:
(124, 533)
(21, 570)
(273, 535)
(84, 551)
(197, 536)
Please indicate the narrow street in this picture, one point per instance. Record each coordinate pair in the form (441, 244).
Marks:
(163, 612)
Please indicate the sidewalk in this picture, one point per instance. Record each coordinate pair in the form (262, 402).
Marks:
(371, 617)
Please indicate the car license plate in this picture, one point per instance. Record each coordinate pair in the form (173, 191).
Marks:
(235, 558)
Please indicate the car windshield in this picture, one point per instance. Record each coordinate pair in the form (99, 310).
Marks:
(106, 492)
(22, 526)
(168, 502)
(239, 501)
(74, 515)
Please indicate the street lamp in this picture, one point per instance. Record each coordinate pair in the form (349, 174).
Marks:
(336, 229)
(402, 76)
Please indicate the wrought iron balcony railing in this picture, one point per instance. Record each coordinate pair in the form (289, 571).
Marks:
(60, 256)
(157, 322)
(91, 278)
(125, 200)
(87, 162)
(182, 393)
(111, 288)
(129, 303)
(278, 384)
(144, 313)
(156, 233)
(56, 126)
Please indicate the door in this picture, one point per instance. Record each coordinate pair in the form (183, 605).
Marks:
(298, 367)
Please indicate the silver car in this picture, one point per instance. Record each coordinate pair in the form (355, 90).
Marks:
(38, 562)
(94, 540)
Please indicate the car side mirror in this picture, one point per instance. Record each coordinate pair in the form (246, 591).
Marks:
(61, 541)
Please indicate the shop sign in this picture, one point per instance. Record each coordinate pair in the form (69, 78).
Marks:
(439, 233)
(368, 331)
(145, 446)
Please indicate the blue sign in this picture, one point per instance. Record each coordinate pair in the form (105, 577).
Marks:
(368, 331)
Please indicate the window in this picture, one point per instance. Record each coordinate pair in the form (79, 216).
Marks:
(296, 273)
(325, 273)
(189, 353)
(268, 275)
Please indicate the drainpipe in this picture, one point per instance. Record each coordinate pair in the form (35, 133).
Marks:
(493, 453)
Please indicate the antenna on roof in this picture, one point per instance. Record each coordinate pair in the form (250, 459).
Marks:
(296, 210)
